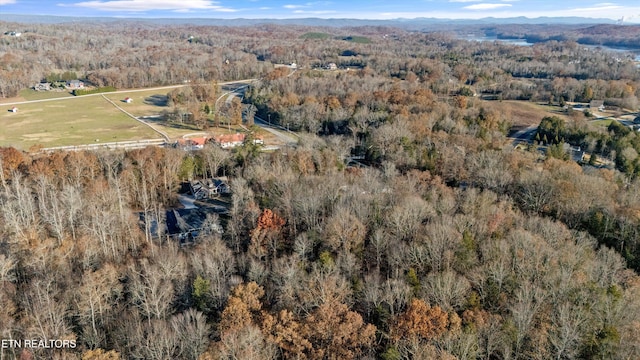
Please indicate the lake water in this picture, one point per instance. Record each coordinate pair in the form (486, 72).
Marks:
(473, 37)
(523, 42)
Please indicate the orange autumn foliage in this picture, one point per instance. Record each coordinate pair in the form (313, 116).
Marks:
(420, 320)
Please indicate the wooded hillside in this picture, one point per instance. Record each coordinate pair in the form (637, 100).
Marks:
(404, 225)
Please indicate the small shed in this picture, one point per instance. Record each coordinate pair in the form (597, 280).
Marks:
(128, 100)
(14, 109)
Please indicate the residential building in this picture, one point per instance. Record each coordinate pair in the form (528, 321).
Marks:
(43, 86)
(192, 144)
(228, 141)
(208, 188)
(75, 84)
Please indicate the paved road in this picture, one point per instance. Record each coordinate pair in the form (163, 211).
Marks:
(244, 82)
(287, 137)
(524, 135)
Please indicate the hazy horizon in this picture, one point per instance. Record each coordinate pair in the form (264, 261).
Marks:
(358, 9)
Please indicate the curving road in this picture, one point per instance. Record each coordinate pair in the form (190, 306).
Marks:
(286, 136)
(524, 135)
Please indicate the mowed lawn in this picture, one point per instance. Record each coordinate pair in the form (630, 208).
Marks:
(151, 103)
(145, 103)
(76, 121)
(154, 102)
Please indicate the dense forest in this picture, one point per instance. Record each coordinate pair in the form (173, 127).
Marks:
(442, 241)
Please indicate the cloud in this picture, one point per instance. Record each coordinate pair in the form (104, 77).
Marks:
(7, 2)
(486, 6)
(318, 12)
(307, 5)
(464, 1)
(146, 5)
(599, 7)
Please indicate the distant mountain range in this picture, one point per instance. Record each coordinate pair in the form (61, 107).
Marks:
(415, 24)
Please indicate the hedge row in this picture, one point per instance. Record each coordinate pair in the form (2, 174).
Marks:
(104, 89)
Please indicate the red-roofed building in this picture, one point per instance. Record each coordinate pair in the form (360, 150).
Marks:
(128, 100)
(229, 140)
(192, 143)
(199, 141)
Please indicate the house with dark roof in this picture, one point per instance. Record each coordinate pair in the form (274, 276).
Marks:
(183, 225)
(208, 188)
(74, 84)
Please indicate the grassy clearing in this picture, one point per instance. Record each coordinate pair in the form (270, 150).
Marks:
(30, 94)
(524, 113)
(604, 122)
(315, 35)
(153, 103)
(357, 39)
(76, 121)
(145, 103)
(92, 119)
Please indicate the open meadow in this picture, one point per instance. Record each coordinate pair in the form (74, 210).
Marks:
(91, 119)
(143, 102)
(73, 121)
(524, 113)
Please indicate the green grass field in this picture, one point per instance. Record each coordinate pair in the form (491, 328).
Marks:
(30, 94)
(73, 121)
(604, 122)
(357, 39)
(315, 35)
(88, 119)
(145, 103)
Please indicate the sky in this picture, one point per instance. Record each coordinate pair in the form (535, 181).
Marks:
(356, 9)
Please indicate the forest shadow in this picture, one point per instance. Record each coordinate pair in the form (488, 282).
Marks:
(172, 124)
(157, 100)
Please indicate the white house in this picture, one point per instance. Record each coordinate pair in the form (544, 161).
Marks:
(14, 109)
